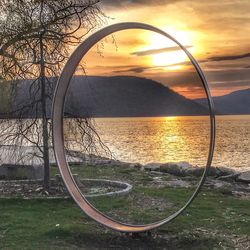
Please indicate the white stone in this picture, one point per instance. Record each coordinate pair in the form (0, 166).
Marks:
(154, 166)
(244, 177)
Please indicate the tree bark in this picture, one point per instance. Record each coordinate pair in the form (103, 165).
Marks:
(45, 133)
(46, 182)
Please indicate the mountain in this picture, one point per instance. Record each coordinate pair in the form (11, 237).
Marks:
(235, 103)
(127, 96)
(117, 96)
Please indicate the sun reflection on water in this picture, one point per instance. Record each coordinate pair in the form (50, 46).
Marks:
(161, 139)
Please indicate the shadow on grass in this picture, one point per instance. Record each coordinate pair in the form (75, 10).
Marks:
(106, 239)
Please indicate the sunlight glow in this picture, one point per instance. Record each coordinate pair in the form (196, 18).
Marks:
(169, 118)
(168, 58)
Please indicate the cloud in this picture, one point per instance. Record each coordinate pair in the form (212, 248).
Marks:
(141, 69)
(157, 51)
(228, 75)
(228, 65)
(119, 3)
(228, 58)
(231, 84)
(135, 69)
(216, 79)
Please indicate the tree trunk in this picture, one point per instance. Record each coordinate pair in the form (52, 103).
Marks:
(46, 181)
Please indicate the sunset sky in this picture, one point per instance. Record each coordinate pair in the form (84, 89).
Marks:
(215, 32)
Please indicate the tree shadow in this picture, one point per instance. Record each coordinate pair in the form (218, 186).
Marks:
(107, 239)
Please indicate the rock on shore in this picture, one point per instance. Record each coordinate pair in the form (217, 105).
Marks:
(186, 169)
(244, 177)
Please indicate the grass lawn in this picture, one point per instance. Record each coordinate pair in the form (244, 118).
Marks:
(215, 220)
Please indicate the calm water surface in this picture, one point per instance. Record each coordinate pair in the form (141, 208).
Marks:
(167, 139)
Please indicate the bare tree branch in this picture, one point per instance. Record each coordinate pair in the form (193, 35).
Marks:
(35, 39)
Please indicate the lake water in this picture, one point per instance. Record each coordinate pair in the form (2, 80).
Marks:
(168, 139)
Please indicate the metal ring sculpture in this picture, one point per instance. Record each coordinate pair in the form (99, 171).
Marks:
(58, 138)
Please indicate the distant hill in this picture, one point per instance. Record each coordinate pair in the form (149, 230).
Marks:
(235, 103)
(122, 96)
(118, 96)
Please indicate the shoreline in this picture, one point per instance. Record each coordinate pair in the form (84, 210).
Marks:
(30, 155)
(169, 175)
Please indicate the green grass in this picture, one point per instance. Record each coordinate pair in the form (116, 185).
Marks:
(114, 173)
(59, 224)
(215, 220)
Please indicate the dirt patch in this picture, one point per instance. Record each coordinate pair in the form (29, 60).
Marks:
(34, 189)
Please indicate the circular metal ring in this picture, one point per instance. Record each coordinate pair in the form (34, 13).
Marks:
(58, 138)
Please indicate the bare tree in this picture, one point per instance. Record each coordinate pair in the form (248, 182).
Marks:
(35, 39)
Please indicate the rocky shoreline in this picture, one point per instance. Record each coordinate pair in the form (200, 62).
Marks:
(181, 169)
(225, 179)
(181, 174)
